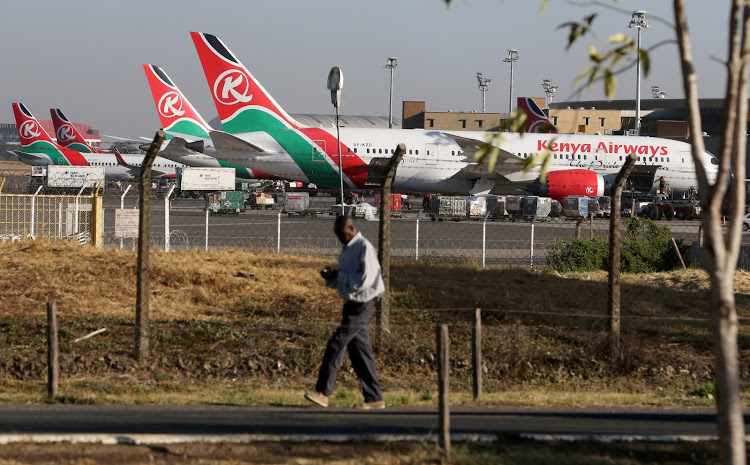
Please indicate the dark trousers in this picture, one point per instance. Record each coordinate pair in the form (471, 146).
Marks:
(353, 336)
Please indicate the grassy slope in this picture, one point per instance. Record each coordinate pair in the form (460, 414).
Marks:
(241, 328)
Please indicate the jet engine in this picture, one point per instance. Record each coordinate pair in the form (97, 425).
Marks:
(562, 183)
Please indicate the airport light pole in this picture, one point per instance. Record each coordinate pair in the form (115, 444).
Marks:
(656, 93)
(335, 84)
(483, 85)
(511, 58)
(638, 21)
(392, 63)
(549, 90)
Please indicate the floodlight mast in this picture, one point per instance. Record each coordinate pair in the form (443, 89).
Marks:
(335, 84)
(392, 63)
(511, 58)
(549, 90)
(638, 21)
(483, 85)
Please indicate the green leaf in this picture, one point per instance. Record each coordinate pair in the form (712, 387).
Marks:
(590, 69)
(645, 61)
(618, 38)
(543, 6)
(610, 84)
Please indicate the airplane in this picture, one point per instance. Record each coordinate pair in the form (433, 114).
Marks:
(536, 120)
(187, 131)
(67, 134)
(259, 134)
(38, 149)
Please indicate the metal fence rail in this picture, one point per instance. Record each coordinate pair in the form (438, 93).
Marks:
(48, 217)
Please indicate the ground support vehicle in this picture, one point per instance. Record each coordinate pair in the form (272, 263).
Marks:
(225, 202)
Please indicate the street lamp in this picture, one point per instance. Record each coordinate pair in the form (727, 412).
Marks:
(656, 93)
(483, 85)
(392, 63)
(638, 21)
(335, 84)
(549, 89)
(511, 58)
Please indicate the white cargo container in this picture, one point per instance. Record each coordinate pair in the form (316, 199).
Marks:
(205, 179)
(73, 176)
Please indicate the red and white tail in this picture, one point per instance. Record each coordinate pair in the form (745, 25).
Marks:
(66, 133)
(29, 129)
(237, 94)
(536, 120)
(175, 111)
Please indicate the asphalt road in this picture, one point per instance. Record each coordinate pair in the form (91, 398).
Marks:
(348, 423)
(505, 242)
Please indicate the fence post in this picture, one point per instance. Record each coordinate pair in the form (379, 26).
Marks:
(531, 253)
(578, 228)
(444, 414)
(122, 207)
(143, 288)
(476, 353)
(278, 234)
(53, 357)
(591, 226)
(484, 241)
(166, 218)
(416, 248)
(97, 217)
(206, 229)
(382, 316)
(33, 213)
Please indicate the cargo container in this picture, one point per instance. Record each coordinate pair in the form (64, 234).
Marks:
(447, 207)
(496, 207)
(513, 204)
(576, 206)
(537, 207)
(65, 176)
(396, 204)
(605, 205)
(205, 179)
(476, 206)
(298, 203)
(225, 202)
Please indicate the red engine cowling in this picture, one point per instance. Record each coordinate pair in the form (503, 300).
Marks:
(563, 183)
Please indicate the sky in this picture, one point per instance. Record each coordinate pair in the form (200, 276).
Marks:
(85, 56)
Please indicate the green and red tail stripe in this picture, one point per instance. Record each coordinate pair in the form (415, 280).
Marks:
(35, 140)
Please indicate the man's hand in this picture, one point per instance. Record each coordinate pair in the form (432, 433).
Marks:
(328, 274)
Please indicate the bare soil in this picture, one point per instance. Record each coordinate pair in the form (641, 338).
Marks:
(232, 324)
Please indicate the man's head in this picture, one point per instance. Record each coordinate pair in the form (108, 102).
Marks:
(344, 228)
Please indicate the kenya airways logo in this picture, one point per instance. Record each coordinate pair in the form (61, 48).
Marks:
(29, 129)
(170, 105)
(65, 133)
(231, 87)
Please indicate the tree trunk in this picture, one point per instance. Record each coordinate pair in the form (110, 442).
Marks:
(722, 249)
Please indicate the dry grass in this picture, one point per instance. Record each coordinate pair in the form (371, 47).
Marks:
(252, 327)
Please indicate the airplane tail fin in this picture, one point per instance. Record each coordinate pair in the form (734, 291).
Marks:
(67, 134)
(536, 120)
(243, 104)
(177, 116)
(29, 129)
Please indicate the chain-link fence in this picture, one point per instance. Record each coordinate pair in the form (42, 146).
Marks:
(187, 223)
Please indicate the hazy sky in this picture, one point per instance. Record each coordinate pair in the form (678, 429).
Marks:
(85, 56)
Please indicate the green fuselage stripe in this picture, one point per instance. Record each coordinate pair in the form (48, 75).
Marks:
(317, 170)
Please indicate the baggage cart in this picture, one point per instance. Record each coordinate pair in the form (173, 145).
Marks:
(447, 207)
(476, 207)
(225, 202)
(576, 206)
(297, 203)
(537, 207)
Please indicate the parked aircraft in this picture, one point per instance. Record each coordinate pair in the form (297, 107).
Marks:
(68, 136)
(38, 149)
(261, 135)
(186, 129)
(536, 120)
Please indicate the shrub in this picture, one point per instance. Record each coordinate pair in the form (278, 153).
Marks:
(579, 255)
(645, 248)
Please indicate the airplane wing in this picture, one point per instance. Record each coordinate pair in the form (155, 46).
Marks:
(506, 162)
(225, 141)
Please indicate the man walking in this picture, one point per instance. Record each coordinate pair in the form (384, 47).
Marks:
(359, 283)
